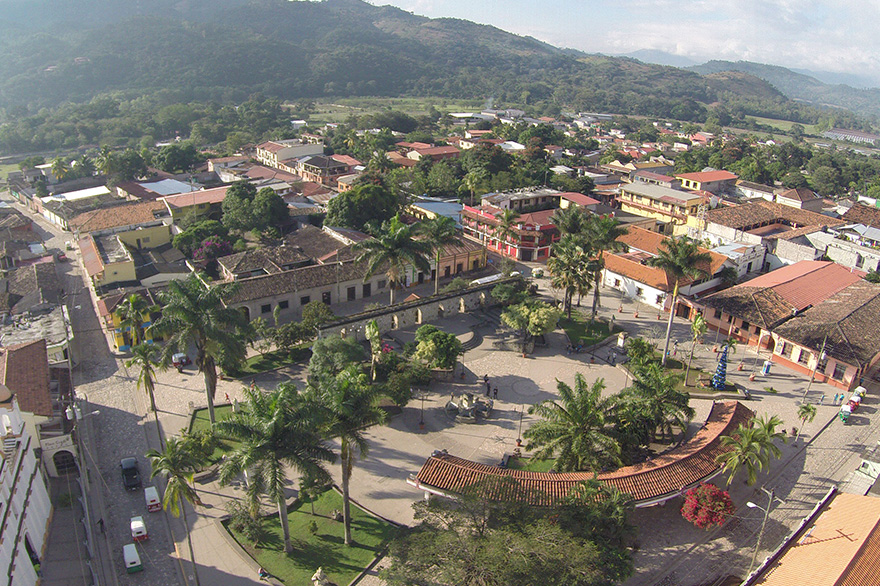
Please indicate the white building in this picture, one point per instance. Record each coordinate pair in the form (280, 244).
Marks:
(26, 508)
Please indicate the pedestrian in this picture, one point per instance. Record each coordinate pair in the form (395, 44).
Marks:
(227, 398)
(486, 378)
(101, 525)
(253, 384)
(822, 399)
(263, 574)
(495, 393)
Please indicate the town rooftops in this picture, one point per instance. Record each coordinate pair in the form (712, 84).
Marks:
(660, 193)
(655, 481)
(846, 322)
(345, 159)
(645, 174)
(754, 214)
(708, 176)
(579, 199)
(206, 196)
(300, 279)
(123, 215)
(24, 369)
(519, 194)
(800, 194)
(840, 547)
(862, 214)
(770, 299)
(270, 259)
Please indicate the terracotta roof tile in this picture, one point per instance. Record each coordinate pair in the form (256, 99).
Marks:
(124, 215)
(753, 214)
(209, 196)
(862, 214)
(24, 369)
(708, 176)
(664, 476)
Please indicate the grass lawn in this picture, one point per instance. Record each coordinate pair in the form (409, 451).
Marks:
(200, 421)
(323, 549)
(5, 168)
(530, 464)
(270, 361)
(577, 327)
(679, 367)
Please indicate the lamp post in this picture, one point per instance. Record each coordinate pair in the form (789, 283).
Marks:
(519, 435)
(822, 356)
(751, 505)
(422, 412)
(74, 414)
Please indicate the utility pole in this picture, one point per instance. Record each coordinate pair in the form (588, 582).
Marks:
(822, 356)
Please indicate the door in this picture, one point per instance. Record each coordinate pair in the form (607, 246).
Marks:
(325, 297)
(527, 255)
(421, 277)
(352, 294)
(367, 290)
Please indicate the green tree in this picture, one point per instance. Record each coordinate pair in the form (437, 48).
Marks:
(570, 220)
(438, 349)
(351, 406)
(275, 430)
(475, 180)
(681, 259)
(766, 427)
(331, 355)
(660, 401)
(271, 209)
(504, 232)
(316, 313)
(395, 249)
(239, 210)
(174, 157)
(177, 464)
(131, 316)
(195, 234)
(698, 330)
(569, 269)
(374, 336)
(439, 232)
(195, 316)
(145, 357)
(532, 318)
(640, 352)
(806, 413)
(747, 450)
(60, 168)
(360, 206)
(573, 428)
(602, 234)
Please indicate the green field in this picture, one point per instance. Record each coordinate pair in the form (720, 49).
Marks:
(338, 110)
(324, 548)
(530, 464)
(6, 168)
(578, 329)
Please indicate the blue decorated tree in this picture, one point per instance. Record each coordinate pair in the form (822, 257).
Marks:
(719, 381)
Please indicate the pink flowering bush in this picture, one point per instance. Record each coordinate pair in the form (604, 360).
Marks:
(212, 248)
(706, 506)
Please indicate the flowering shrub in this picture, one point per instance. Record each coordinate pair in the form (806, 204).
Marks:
(706, 506)
(212, 248)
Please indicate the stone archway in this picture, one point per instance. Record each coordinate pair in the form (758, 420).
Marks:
(64, 462)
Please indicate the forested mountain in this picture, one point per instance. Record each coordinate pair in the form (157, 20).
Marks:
(145, 55)
(799, 86)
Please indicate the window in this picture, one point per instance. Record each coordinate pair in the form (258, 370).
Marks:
(266, 308)
(786, 348)
(639, 291)
(820, 368)
(146, 239)
(381, 284)
(659, 300)
(804, 357)
(839, 371)
(617, 282)
(325, 297)
(745, 325)
(283, 304)
(304, 300)
(352, 293)
(717, 314)
(459, 268)
(367, 290)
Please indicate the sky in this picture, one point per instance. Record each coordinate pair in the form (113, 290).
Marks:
(821, 35)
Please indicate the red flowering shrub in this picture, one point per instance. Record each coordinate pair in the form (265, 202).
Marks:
(706, 506)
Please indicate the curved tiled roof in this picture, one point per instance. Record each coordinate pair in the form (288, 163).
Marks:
(650, 482)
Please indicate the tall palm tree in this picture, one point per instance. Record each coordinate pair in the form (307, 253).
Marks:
(440, 232)
(276, 429)
(506, 228)
(177, 463)
(659, 399)
(573, 428)
(698, 330)
(570, 220)
(475, 180)
(104, 160)
(766, 427)
(195, 316)
(60, 168)
(351, 406)
(568, 269)
(746, 450)
(602, 233)
(395, 249)
(379, 162)
(146, 358)
(680, 259)
(806, 413)
(131, 315)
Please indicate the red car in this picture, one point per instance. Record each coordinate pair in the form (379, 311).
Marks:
(180, 360)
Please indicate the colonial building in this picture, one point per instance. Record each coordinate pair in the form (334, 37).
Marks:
(671, 208)
(531, 239)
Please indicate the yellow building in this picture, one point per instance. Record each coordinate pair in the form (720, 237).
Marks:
(108, 309)
(207, 203)
(107, 261)
(671, 208)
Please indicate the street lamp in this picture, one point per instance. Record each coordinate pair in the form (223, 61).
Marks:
(519, 435)
(822, 356)
(422, 413)
(751, 505)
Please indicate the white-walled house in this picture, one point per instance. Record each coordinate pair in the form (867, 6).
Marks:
(26, 508)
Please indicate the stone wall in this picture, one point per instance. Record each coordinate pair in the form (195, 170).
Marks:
(419, 311)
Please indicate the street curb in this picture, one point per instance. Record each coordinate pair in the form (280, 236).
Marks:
(242, 553)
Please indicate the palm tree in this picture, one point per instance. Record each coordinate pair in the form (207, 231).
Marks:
(276, 429)
(474, 180)
(568, 269)
(506, 228)
(104, 160)
(728, 276)
(395, 249)
(60, 168)
(573, 428)
(195, 316)
(85, 166)
(745, 450)
(767, 429)
(680, 259)
(660, 401)
(570, 220)
(177, 463)
(602, 234)
(439, 232)
(350, 406)
(806, 413)
(131, 315)
(379, 162)
(146, 358)
(698, 330)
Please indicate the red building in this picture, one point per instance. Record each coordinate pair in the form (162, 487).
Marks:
(533, 236)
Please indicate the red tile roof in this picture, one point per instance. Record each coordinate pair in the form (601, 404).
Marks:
(808, 282)
(651, 242)
(208, 196)
(90, 256)
(24, 369)
(708, 176)
(579, 198)
(351, 161)
(799, 194)
(650, 482)
(119, 216)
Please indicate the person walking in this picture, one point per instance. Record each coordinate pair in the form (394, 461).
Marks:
(495, 393)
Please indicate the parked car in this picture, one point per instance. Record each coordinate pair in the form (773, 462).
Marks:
(61, 257)
(131, 474)
(180, 360)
